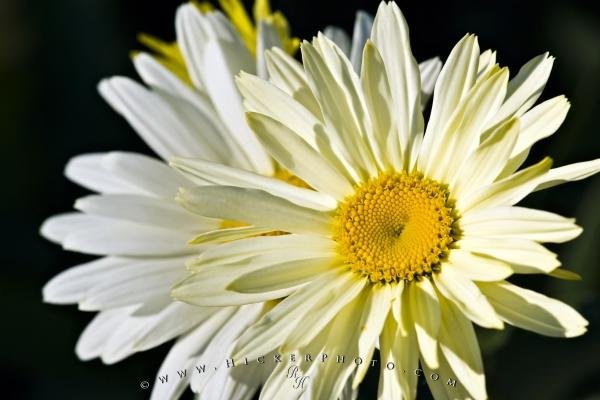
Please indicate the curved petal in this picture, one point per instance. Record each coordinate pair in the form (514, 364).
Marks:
(254, 206)
(533, 311)
(299, 157)
(390, 35)
(467, 297)
(519, 223)
(220, 174)
(569, 173)
(86, 170)
(425, 311)
(459, 346)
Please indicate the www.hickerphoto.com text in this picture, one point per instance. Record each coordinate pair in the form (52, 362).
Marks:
(295, 360)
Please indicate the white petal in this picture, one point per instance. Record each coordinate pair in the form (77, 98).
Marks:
(429, 70)
(525, 88)
(314, 322)
(517, 252)
(144, 173)
(158, 77)
(540, 122)
(478, 267)
(487, 60)
(273, 328)
(71, 285)
(93, 339)
(220, 265)
(228, 234)
(266, 98)
(221, 343)
(425, 310)
(277, 385)
(534, 311)
(229, 384)
(507, 191)
(209, 288)
(192, 36)
(339, 37)
(145, 210)
(57, 227)
(443, 390)
(299, 157)
(219, 174)
(169, 125)
(86, 170)
(379, 102)
(182, 354)
(283, 275)
(569, 173)
(463, 131)
(133, 283)
(331, 378)
(363, 23)
(266, 38)
(467, 297)
(377, 306)
(389, 382)
(334, 83)
(454, 82)
(194, 30)
(254, 207)
(222, 62)
(106, 236)
(519, 223)
(407, 338)
(459, 345)
(390, 35)
(484, 165)
(310, 246)
(287, 74)
(142, 333)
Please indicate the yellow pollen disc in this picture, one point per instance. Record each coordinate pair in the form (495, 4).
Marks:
(396, 227)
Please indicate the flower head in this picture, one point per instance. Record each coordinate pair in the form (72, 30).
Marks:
(408, 232)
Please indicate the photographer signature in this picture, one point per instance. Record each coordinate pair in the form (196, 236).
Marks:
(296, 376)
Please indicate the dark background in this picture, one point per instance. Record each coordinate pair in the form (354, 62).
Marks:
(53, 53)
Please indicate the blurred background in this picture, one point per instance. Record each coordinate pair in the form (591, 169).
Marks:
(52, 55)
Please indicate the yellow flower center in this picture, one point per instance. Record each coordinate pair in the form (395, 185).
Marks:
(395, 227)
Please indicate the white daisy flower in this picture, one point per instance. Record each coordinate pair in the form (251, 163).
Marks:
(409, 232)
(190, 107)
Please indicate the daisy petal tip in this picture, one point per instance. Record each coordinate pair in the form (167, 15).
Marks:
(242, 76)
(565, 274)
(70, 244)
(48, 293)
(82, 354)
(576, 332)
(86, 305)
(45, 230)
(497, 324)
(102, 86)
(81, 203)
